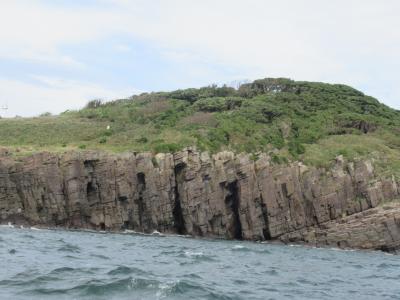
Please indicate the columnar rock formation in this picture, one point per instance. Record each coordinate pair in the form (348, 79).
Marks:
(189, 192)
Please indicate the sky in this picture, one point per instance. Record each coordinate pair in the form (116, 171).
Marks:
(59, 54)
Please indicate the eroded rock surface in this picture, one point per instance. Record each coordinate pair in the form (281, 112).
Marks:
(190, 192)
(377, 228)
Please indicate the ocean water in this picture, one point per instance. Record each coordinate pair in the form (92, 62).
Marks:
(49, 264)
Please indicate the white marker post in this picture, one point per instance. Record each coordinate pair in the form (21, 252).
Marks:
(5, 108)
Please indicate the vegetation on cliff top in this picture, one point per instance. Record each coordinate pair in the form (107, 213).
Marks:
(293, 120)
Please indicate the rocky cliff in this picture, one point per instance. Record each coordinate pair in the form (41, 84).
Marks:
(189, 192)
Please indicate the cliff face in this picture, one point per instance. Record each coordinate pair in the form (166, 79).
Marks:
(226, 195)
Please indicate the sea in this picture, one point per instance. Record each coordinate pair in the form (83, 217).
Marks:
(60, 264)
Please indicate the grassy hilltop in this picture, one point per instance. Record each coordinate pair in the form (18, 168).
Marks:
(310, 121)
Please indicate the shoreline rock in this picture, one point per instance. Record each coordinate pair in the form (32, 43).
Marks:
(193, 193)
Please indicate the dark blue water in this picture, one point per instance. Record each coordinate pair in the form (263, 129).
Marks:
(82, 265)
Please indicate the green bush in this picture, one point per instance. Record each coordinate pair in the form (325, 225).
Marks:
(142, 140)
(167, 147)
(214, 118)
(95, 103)
(218, 104)
(296, 148)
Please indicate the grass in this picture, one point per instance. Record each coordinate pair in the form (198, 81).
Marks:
(352, 147)
(308, 121)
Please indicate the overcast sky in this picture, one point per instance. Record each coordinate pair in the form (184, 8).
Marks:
(58, 54)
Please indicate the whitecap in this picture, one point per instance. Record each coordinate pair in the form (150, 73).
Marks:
(155, 232)
(193, 254)
(341, 249)
(236, 247)
(165, 289)
(6, 226)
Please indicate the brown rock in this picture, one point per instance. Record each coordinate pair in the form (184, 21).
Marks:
(188, 192)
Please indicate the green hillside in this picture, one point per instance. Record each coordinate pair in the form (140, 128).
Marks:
(292, 120)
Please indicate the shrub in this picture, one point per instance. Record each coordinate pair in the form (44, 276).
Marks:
(201, 119)
(218, 104)
(95, 103)
(296, 148)
(142, 140)
(215, 118)
(279, 159)
(167, 147)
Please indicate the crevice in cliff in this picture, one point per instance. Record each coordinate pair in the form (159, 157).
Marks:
(90, 165)
(285, 190)
(91, 192)
(141, 179)
(232, 203)
(264, 210)
(122, 199)
(288, 199)
(92, 186)
(125, 225)
(179, 222)
(102, 226)
(141, 187)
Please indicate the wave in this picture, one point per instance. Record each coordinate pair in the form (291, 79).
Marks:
(196, 256)
(124, 270)
(30, 278)
(63, 270)
(271, 272)
(157, 233)
(154, 268)
(148, 288)
(35, 228)
(35, 281)
(193, 254)
(100, 256)
(154, 233)
(183, 287)
(241, 248)
(69, 248)
(71, 257)
(387, 266)
(9, 225)
(28, 236)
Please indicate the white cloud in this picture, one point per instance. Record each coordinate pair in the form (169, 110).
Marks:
(51, 95)
(44, 58)
(123, 48)
(36, 25)
(34, 31)
(348, 41)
